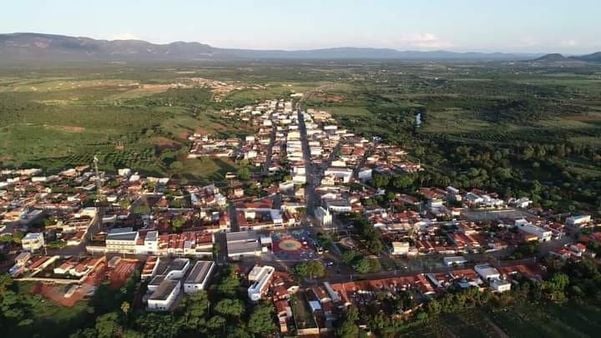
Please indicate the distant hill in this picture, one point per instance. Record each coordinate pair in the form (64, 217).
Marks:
(48, 48)
(556, 57)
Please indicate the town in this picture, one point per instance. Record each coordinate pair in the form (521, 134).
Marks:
(316, 220)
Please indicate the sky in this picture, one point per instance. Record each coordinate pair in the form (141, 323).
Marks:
(533, 26)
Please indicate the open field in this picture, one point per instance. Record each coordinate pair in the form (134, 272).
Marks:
(525, 320)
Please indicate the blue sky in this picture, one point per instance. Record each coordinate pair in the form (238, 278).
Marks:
(568, 26)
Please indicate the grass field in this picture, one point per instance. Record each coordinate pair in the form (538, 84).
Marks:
(524, 320)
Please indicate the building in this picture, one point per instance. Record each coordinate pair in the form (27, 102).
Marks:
(324, 217)
(163, 297)
(578, 221)
(487, 272)
(242, 243)
(454, 260)
(33, 241)
(261, 277)
(165, 285)
(541, 234)
(500, 285)
(151, 244)
(400, 248)
(199, 276)
(122, 240)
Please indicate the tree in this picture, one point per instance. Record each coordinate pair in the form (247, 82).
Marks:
(125, 307)
(196, 307)
(380, 181)
(310, 269)
(107, 325)
(178, 222)
(402, 181)
(244, 173)
(230, 307)
(176, 166)
(229, 283)
(216, 322)
(261, 321)
(348, 328)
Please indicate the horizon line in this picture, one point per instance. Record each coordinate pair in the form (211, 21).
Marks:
(462, 51)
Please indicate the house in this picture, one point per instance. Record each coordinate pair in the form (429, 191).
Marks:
(32, 241)
(400, 248)
(500, 285)
(199, 276)
(454, 260)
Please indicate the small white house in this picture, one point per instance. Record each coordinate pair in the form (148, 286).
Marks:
(33, 241)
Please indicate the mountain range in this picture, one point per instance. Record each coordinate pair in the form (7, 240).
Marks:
(556, 57)
(48, 48)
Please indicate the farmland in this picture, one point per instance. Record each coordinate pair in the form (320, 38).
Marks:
(488, 125)
(523, 320)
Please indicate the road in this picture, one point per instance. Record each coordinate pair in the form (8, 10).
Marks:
(311, 197)
(267, 163)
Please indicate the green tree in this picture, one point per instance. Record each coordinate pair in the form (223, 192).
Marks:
(310, 269)
(176, 166)
(107, 325)
(196, 306)
(261, 320)
(230, 307)
(244, 173)
(349, 328)
(229, 283)
(216, 322)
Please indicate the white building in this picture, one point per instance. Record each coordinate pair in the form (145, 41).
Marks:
(166, 285)
(487, 272)
(242, 243)
(199, 276)
(164, 296)
(151, 244)
(578, 220)
(122, 240)
(400, 248)
(324, 217)
(261, 277)
(500, 285)
(529, 228)
(33, 241)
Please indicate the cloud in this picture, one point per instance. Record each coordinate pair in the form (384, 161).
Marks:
(569, 43)
(125, 36)
(419, 41)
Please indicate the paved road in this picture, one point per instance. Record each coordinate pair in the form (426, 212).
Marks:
(311, 197)
(267, 163)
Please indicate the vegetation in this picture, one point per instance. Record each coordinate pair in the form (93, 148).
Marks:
(310, 269)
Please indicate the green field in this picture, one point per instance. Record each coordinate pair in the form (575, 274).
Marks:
(525, 320)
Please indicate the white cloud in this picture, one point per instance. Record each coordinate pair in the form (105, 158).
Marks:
(569, 43)
(417, 41)
(427, 40)
(125, 36)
